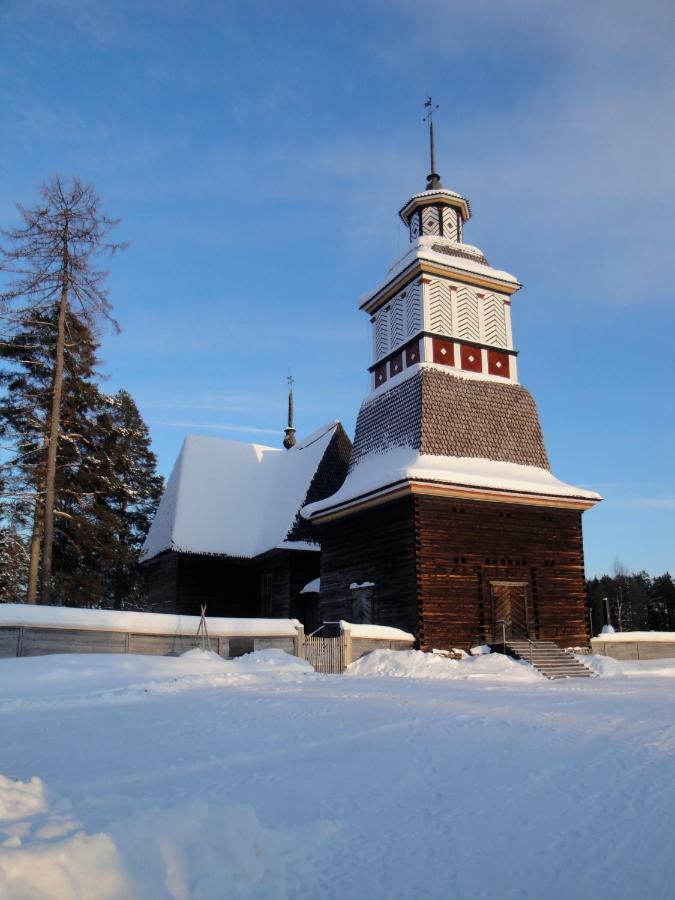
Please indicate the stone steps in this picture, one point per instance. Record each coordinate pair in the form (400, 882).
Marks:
(548, 658)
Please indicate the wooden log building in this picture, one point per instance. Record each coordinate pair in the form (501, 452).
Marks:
(228, 533)
(443, 519)
(449, 510)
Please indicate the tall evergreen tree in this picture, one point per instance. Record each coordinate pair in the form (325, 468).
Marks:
(25, 424)
(51, 264)
(133, 495)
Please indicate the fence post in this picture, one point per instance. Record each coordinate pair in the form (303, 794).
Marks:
(346, 644)
(299, 642)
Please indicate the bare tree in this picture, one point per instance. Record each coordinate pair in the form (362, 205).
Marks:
(50, 264)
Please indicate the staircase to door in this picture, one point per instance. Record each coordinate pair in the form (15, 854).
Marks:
(546, 656)
(512, 619)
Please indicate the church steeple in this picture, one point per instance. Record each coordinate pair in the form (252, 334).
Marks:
(433, 178)
(435, 211)
(442, 304)
(289, 430)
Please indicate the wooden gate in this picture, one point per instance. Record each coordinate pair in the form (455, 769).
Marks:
(510, 606)
(326, 654)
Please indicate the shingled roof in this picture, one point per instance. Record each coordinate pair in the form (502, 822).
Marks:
(442, 428)
(441, 414)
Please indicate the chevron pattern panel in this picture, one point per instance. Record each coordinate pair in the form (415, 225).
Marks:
(382, 334)
(397, 322)
(494, 321)
(468, 326)
(430, 220)
(450, 223)
(440, 307)
(413, 310)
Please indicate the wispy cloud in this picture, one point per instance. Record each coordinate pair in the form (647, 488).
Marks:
(217, 426)
(664, 503)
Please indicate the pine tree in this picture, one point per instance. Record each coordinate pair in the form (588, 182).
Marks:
(133, 496)
(50, 261)
(25, 423)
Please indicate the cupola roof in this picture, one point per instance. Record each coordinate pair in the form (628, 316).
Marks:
(439, 195)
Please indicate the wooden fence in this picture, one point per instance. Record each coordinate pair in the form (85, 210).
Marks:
(327, 654)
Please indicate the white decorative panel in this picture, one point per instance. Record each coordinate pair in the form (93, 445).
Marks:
(430, 223)
(440, 307)
(397, 322)
(413, 310)
(382, 333)
(468, 326)
(450, 223)
(494, 321)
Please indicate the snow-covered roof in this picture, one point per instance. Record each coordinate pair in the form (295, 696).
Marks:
(230, 498)
(436, 194)
(423, 249)
(381, 472)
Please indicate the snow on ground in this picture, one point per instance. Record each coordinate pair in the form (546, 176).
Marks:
(194, 777)
(415, 664)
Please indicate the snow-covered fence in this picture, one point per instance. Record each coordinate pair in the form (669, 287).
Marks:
(364, 638)
(41, 630)
(332, 655)
(635, 645)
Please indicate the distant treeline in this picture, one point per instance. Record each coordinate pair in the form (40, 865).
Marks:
(637, 602)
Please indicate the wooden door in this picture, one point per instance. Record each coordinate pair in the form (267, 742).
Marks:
(510, 605)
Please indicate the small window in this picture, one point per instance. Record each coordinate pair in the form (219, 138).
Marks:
(363, 596)
(266, 595)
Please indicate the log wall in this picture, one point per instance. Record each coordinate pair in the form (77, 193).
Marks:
(181, 583)
(463, 546)
(375, 545)
(433, 560)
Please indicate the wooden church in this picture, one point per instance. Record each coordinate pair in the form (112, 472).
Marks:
(443, 519)
(449, 512)
(228, 533)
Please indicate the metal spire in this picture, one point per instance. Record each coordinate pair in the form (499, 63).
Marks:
(433, 178)
(289, 430)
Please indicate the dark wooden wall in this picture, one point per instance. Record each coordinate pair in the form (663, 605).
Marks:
(291, 570)
(463, 546)
(161, 575)
(373, 545)
(181, 583)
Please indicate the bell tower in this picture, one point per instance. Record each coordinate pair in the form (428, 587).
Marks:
(442, 304)
(449, 503)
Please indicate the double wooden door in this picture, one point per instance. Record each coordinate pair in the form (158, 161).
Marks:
(510, 606)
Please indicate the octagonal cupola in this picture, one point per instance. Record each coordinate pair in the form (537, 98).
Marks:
(438, 212)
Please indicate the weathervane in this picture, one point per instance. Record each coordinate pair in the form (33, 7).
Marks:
(433, 179)
(289, 430)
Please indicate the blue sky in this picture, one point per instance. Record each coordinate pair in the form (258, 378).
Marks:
(257, 154)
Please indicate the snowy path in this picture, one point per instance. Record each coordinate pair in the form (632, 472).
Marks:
(294, 785)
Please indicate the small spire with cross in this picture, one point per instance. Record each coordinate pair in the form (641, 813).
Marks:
(433, 178)
(289, 430)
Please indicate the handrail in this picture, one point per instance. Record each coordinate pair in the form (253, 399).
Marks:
(523, 638)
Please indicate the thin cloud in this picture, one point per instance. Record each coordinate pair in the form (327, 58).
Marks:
(218, 426)
(666, 503)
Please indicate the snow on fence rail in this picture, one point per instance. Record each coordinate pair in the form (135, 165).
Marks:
(635, 645)
(40, 630)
